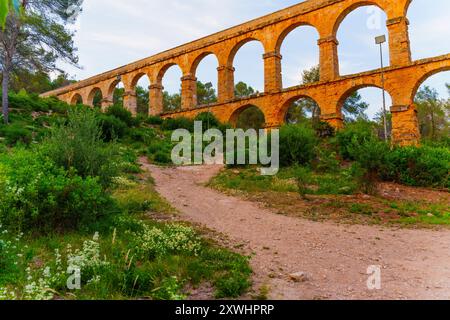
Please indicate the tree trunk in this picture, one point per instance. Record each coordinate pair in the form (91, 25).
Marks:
(5, 100)
(10, 41)
(433, 125)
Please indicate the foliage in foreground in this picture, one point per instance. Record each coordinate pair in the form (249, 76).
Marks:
(133, 260)
(78, 145)
(37, 195)
(55, 196)
(297, 143)
(422, 166)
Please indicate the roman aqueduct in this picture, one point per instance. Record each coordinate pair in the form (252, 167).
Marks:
(402, 78)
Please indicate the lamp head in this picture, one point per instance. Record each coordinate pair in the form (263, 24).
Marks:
(380, 39)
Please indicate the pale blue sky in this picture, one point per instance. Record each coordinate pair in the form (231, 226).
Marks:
(112, 33)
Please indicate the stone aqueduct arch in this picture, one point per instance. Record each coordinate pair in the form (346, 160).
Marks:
(402, 77)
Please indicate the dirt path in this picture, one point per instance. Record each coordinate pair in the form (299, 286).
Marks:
(415, 263)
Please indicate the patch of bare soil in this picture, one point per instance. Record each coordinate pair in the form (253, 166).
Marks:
(303, 259)
(399, 192)
(394, 204)
(350, 209)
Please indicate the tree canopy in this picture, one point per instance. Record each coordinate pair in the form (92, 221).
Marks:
(34, 36)
(206, 94)
(433, 114)
(242, 90)
(305, 107)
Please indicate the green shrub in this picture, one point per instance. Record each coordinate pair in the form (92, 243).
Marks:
(121, 113)
(303, 179)
(139, 119)
(297, 144)
(159, 145)
(355, 133)
(324, 129)
(15, 133)
(162, 157)
(36, 195)
(443, 142)
(78, 144)
(112, 128)
(178, 123)
(23, 101)
(419, 166)
(371, 154)
(208, 120)
(144, 135)
(371, 157)
(327, 160)
(32, 102)
(56, 105)
(154, 120)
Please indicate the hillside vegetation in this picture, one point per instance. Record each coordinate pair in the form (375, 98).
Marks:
(73, 197)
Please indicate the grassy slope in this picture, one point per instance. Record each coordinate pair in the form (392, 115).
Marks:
(128, 275)
(334, 196)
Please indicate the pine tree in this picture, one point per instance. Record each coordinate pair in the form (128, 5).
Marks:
(34, 35)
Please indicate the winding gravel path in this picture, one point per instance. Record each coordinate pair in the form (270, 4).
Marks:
(415, 263)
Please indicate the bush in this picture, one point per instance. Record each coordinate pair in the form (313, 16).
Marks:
(159, 145)
(122, 114)
(371, 158)
(443, 142)
(78, 144)
(178, 123)
(15, 133)
(324, 130)
(208, 120)
(144, 135)
(419, 166)
(355, 133)
(139, 119)
(303, 179)
(154, 120)
(297, 144)
(112, 128)
(36, 195)
(327, 160)
(162, 157)
(30, 102)
(23, 101)
(56, 105)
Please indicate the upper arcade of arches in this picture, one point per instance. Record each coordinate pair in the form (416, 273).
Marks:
(199, 59)
(324, 15)
(135, 78)
(425, 76)
(429, 29)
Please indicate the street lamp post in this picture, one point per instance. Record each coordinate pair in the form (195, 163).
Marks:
(380, 40)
